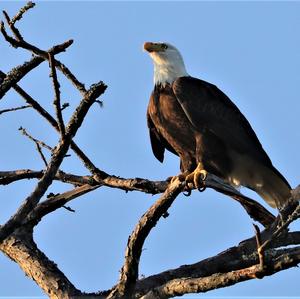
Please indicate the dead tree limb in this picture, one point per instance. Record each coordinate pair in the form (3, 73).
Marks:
(14, 109)
(19, 72)
(178, 287)
(19, 42)
(21, 248)
(56, 101)
(255, 210)
(233, 259)
(58, 155)
(234, 265)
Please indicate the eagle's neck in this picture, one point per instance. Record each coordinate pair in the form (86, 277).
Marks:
(167, 70)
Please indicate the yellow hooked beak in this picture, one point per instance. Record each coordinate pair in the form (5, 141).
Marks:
(154, 47)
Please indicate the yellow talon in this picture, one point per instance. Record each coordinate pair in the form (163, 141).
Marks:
(197, 177)
(173, 178)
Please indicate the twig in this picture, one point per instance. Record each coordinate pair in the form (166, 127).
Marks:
(17, 73)
(21, 43)
(36, 141)
(20, 13)
(29, 100)
(129, 272)
(69, 209)
(55, 202)
(15, 109)
(58, 155)
(12, 27)
(99, 175)
(39, 149)
(56, 101)
(64, 106)
(38, 145)
(5, 34)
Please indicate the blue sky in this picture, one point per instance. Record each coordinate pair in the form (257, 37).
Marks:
(250, 50)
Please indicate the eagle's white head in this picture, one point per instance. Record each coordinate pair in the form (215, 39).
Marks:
(168, 62)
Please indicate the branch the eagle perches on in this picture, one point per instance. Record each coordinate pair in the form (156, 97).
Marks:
(266, 253)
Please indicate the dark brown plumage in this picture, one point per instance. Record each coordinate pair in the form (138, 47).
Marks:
(198, 122)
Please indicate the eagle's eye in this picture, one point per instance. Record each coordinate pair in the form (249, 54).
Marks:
(164, 46)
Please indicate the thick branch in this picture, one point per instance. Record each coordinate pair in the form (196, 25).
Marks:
(232, 259)
(178, 287)
(254, 209)
(234, 265)
(8, 177)
(21, 248)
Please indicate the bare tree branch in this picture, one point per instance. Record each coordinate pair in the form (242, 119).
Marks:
(256, 211)
(252, 258)
(21, 248)
(43, 55)
(8, 177)
(56, 202)
(178, 287)
(56, 101)
(17, 73)
(12, 27)
(14, 109)
(20, 13)
(100, 175)
(75, 122)
(233, 259)
(39, 144)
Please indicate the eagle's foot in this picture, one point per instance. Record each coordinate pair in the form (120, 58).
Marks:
(197, 178)
(182, 178)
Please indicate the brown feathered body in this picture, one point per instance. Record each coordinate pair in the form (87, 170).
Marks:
(198, 122)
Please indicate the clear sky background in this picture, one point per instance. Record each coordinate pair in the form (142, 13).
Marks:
(250, 50)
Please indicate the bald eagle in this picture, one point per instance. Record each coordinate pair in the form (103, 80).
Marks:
(197, 122)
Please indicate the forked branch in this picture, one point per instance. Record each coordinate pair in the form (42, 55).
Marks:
(234, 265)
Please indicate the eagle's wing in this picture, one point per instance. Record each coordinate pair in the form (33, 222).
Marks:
(209, 108)
(157, 145)
(158, 142)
